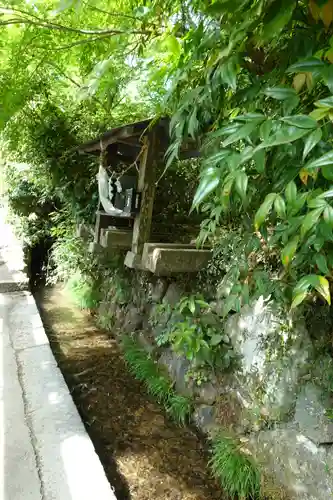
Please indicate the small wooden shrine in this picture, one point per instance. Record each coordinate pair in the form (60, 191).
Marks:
(129, 159)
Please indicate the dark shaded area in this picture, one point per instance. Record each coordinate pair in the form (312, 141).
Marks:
(145, 455)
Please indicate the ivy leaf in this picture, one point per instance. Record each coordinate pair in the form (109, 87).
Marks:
(207, 184)
(264, 210)
(310, 220)
(259, 159)
(241, 182)
(311, 141)
(321, 262)
(301, 121)
(326, 159)
(306, 65)
(289, 251)
(281, 93)
(280, 206)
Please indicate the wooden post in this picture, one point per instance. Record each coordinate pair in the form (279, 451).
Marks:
(146, 185)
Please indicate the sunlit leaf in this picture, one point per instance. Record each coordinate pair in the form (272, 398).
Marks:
(298, 81)
(310, 64)
(311, 141)
(206, 186)
(326, 159)
(301, 121)
(328, 215)
(264, 210)
(280, 92)
(289, 251)
(280, 206)
(310, 220)
(244, 131)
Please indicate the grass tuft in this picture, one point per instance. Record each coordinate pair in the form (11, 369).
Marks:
(237, 471)
(145, 369)
(83, 292)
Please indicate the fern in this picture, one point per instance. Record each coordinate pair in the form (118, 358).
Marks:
(237, 472)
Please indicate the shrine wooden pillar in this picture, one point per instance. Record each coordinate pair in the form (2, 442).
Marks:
(146, 186)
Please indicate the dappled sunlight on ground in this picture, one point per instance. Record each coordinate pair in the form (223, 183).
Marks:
(144, 454)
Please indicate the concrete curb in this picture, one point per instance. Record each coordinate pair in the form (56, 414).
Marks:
(48, 454)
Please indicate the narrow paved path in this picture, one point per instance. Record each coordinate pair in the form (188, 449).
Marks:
(45, 452)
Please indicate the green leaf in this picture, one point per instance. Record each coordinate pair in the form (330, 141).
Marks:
(301, 121)
(325, 103)
(259, 159)
(229, 73)
(215, 340)
(321, 262)
(264, 210)
(206, 186)
(298, 299)
(327, 172)
(320, 283)
(241, 182)
(289, 251)
(278, 15)
(193, 123)
(280, 206)
(291, 192)
(280, 92)
(265, 129)
(328, 215)
(326, 159)
(310, 220)
(290, 104)
(285, 135)
(243, 132)
(311, 141)
(248, 117)
(306, 65)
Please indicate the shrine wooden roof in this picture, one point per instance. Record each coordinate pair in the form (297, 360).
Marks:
(126, 141)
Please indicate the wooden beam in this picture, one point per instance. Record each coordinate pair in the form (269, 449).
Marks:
(146, 185)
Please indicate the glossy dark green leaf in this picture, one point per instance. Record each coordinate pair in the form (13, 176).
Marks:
(310, 220)
(326, 159)
(243, 132)
(327, 172)
(291, 192)
(241, 182)
(265, 129)
(321, 262)
(286, 134)
(248, 117)
(259, 160)
(306, 65)
(280, 92)
(311, 141)
(301, 121)
(278, 15)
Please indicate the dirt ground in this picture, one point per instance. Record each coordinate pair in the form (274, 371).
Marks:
(144, 454)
